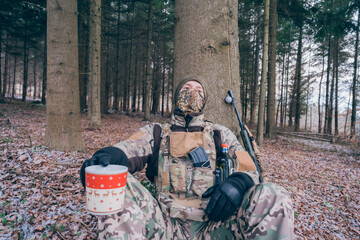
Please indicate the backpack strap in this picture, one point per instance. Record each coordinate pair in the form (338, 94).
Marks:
(152, 163)
(218, 142)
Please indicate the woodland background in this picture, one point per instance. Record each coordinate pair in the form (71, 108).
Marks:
(101, 69)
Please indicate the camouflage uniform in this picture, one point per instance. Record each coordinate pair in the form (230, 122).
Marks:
(177, 210)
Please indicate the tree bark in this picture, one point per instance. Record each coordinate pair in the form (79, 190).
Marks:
(354, 92)
(264, 71)
(63, 126)
(94, 112)
(270, 119)
(147, 87)
(206, 48)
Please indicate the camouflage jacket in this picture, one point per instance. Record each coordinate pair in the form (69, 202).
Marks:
(179, 185)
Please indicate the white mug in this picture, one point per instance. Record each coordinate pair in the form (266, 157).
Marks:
(105, 189)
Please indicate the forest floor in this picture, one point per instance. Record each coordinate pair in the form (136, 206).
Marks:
(41, 196)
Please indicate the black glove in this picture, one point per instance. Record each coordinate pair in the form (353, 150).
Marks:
(227, 196)
(104, 157)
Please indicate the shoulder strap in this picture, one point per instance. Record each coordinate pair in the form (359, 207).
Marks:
(218, 142)
(152, 163)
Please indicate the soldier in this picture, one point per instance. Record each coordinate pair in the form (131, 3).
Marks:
(187, 204)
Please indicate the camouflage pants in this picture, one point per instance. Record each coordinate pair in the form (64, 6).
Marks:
(266, 213)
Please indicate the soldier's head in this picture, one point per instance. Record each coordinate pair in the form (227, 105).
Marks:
(190, 96)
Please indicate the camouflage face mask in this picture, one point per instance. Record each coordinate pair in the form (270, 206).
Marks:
(190, 100)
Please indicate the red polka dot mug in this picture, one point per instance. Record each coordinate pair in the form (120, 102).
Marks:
(105, 189)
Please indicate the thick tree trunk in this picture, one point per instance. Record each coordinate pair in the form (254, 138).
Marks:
(63, 126)
(264, 71)
(298, 81)
(206, 48)
(270, 119)
(354, 92)
(147, 87)
(94, 113)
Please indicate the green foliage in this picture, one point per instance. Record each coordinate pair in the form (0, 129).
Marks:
(149, 186)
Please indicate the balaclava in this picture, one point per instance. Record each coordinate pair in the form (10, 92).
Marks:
(189, 100)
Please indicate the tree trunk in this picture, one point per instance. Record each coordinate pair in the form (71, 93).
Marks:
(44, 80)
(336, 86)
(63, 126)
(327, 83)
(25, 67)
(163, 79)
(260, 126)
(354, 92)
(34, 77)
(270, 119)
(6, 61)
(254, 91)
(104, 87)
(83, 33)
(117, 71)
(282, 93)
(94, 112)
(298, 81)
(347, 112)
(287, 76)
(148, 81)
(211, 55)
(1, 96)
(331, 101)
(319, 98)
(14, 77)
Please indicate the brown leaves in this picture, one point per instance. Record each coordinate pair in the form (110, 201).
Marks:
(323, 180)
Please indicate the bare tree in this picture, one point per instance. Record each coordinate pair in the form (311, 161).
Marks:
(260, 126)
(63, 126)
(94, 113)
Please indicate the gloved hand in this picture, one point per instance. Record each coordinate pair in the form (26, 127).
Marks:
(227, 196)
(104, 157)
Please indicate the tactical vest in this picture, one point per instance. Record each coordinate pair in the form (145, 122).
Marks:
(179, 185)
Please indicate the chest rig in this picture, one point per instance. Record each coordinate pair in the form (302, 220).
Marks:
(179, 184)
